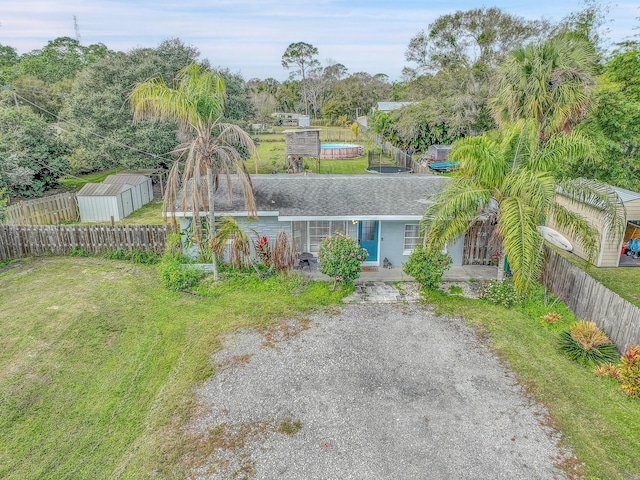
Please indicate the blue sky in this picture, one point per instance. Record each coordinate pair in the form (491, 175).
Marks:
(250, 36)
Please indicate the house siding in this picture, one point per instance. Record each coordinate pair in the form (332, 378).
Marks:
(608, 250)
(391, 238)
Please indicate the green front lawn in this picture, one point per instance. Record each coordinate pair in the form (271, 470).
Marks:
(99, 360)
(599, 422)
(98, 364)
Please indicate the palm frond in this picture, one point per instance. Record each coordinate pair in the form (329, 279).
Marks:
(578, 227)
(479, 159)
(284, 251)
(564, 149)
(454, 211)
(156, 100)
(538, 189)
(228, 231)
(601, 197)
(522, 243)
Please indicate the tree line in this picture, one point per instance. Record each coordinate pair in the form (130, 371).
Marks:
(63, 108)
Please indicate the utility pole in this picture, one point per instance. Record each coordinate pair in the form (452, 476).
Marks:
(77, 28)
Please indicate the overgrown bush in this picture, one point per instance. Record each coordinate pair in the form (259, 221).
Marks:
(177, 274)
(585, 343)
(427, 266)
(340, 257)
(175, 270)
(136, 256)
(629, 371)
(499, 292)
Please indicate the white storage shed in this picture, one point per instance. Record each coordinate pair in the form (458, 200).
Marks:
(142, 187)
(98, 202)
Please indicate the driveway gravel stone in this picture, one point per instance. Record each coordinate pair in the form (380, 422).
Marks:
(379, 391)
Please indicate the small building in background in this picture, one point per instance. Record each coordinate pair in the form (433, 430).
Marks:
(285, 119)
(299, 144)
(611, 250)
(304, 121)
(100, 202)
(437, 153)
(142, 187)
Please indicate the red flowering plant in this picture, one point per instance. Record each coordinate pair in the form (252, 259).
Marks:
(427, 266)
(340, 257)
(263, 250)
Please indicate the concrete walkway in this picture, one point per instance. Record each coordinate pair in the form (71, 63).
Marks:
(381, 286)
(454, 274)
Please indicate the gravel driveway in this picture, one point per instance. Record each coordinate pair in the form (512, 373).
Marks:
(371, 392)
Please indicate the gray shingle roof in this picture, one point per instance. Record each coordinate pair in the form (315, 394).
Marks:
(334, 195)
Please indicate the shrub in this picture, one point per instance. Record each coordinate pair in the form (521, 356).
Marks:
(78, 252)
(340, 257)
(585, 343)
(174, 268)
(607, 370)
(177, 274)
(499, 293)
(427, 266)
(137, 256)
(263, 250)
(629, 370)
(552, 317)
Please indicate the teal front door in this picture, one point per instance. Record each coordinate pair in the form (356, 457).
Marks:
(368, 235)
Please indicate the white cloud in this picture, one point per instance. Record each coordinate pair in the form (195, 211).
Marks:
(250, 36)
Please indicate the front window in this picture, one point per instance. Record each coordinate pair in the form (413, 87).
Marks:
(308, 235)
(411, 237)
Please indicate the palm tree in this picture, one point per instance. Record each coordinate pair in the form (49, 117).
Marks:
(230, 234)
(195, 100)
(551, 82)
(508, 176)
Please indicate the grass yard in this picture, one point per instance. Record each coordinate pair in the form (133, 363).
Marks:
(74, 184)
(149, 214)
(98, 361)
(599, 422)
(271, 153)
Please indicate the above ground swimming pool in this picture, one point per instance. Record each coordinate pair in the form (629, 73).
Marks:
(340, 150)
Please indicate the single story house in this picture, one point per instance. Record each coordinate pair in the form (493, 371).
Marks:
(382, 211)
(610, 248)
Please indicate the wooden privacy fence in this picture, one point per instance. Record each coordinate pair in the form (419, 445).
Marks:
(477, 245)
(50, 210)
(592, 301)
(20, 241)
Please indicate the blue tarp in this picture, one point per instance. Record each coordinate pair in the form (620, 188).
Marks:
(444, 167)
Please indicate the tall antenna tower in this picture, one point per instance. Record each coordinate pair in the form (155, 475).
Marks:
(77, 29)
